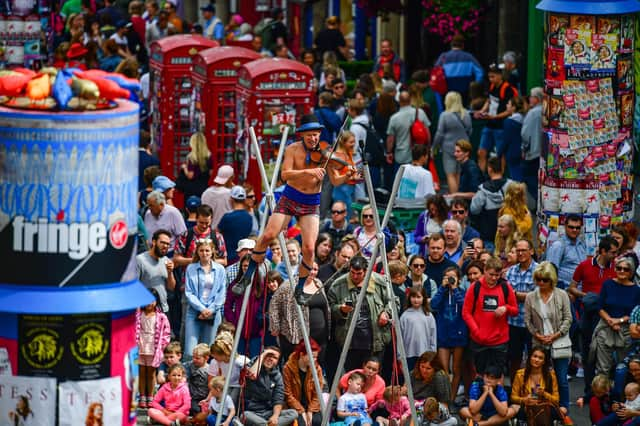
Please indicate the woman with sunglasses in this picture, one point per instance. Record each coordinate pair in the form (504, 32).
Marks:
(366, 233)
(547, 315)
(618, 297)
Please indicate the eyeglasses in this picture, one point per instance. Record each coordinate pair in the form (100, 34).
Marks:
(543, 280)
(164, 243)
(367, 216)
(623, 269)
(338, 211)
(574, 227)
(458, 211)
(251, 196)
(418, 265)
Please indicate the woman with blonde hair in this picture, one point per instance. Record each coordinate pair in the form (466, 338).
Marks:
(515, 205)
(453, 124)
(196, 170)
(506, 237)
(547, 316)
(345, 172)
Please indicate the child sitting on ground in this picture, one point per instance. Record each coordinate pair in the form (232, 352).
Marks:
(172, 356)
(216, 407)
(197, 377)
(488, 401)
(172, 402)
(396, 404)
(437, 414)
(600, 403)
(352, 405)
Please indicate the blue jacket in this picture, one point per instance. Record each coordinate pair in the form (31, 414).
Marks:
(195, 285)
(460, 69)
(447, 309)
(331, 121)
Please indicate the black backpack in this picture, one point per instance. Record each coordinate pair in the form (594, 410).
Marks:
(476, 292)
(486, 222)
(373, 146)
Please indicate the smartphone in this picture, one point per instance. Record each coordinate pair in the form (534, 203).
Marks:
(470, 244)
(349, 303)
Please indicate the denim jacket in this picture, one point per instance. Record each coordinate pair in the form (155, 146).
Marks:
(195, 286)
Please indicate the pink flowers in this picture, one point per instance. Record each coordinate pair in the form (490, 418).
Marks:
(447, 18)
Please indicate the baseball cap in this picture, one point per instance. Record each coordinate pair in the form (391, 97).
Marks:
(238, 193)
(193, 202)
(224, 173)
(162, 183)
(246, 243)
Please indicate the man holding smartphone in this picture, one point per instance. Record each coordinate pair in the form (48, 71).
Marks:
(372, 332)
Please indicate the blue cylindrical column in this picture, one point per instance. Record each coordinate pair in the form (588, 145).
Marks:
(68, 223)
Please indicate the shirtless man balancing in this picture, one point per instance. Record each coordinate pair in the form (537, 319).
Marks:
(301, 199)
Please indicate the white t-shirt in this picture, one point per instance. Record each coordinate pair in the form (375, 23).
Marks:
(416, 182)
(215, 405)
(222, 368)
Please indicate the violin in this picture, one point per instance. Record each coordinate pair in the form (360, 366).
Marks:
(323, 154)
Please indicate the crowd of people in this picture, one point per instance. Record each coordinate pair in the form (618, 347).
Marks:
(493, 324)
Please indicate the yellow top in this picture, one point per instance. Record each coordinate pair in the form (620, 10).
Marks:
(520, 390)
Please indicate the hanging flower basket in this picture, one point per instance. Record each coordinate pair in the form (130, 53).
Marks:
(446, 18)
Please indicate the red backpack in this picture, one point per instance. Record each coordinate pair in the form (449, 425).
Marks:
(420, 134)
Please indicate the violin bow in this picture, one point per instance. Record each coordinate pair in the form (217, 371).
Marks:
(343, 128)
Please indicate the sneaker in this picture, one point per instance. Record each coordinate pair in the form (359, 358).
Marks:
(460, 390)
(580, 372)
(241, 285)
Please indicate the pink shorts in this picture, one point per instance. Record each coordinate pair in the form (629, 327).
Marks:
(146, 360)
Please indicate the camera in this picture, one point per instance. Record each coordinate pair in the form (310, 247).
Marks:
(451, 281)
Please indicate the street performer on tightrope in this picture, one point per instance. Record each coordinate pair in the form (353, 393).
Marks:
(303, 169)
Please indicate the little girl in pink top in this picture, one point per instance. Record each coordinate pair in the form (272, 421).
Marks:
(153, 333)
(176, 397)
(396, 404)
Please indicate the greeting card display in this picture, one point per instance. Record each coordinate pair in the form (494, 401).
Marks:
(588, 112)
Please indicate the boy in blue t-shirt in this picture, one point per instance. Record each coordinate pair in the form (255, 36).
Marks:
(488, 401)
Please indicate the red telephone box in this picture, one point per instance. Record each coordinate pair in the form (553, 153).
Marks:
(214, 76)
(170, 96)
(271, 93)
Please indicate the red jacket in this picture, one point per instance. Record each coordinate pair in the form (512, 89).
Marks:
(484, 327)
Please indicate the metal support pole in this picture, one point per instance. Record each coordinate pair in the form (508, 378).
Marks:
(395, 318)
(362, 293)
(245, 299)
(283, 245)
